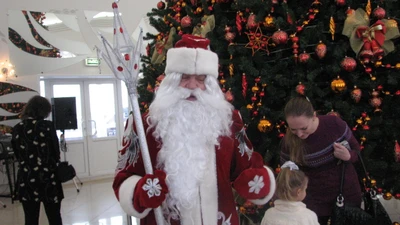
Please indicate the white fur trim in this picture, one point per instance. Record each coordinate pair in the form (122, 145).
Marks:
(192, 61)
(272, 187)
(126, 191)
(209, 193)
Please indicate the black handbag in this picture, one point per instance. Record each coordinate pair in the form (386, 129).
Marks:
(65, 171)
(373, 213)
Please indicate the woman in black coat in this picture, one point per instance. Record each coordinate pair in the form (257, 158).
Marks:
(36, 148)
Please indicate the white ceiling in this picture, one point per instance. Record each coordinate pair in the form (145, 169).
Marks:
(78, 33)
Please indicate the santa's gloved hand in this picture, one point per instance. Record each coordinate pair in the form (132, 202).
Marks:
(253, 183)
(150, 191)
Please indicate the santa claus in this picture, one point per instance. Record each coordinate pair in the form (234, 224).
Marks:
(197, 145)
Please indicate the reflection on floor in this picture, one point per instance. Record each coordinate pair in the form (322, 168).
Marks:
(96, 204)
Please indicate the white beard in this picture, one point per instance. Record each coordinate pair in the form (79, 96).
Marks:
(189, 132)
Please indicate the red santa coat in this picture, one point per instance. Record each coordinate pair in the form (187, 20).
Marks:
(234, 158)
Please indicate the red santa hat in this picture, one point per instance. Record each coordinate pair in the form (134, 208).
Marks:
(192, 56)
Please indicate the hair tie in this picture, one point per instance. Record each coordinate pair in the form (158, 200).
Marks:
(291, 165)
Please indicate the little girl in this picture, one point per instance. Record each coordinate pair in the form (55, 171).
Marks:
(291, 185)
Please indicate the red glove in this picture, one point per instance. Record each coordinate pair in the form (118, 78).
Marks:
(253, 183)
(150, 191)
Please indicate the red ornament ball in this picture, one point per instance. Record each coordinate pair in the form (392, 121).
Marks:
(356, 94)
(397, 196)
(280, 37)
(349, 64)
(161, 5)
(251, 22)
(304, 57)
(376, 102)
(186, 21)
(300, 88)
(229, 36)
(379, 13)
(340, 2)
(320, 50)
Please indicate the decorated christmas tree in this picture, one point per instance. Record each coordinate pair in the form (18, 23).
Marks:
(344, 55)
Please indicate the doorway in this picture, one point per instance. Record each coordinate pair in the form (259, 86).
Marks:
(93, 147)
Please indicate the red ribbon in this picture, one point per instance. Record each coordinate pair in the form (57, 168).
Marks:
(374, 33)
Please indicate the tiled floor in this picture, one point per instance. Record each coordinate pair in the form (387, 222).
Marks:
(96, 204)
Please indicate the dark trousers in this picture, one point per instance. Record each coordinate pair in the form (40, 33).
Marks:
(32, 211)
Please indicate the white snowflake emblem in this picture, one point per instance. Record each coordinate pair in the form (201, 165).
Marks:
(221, 216)
(256, 184)
(152, 187)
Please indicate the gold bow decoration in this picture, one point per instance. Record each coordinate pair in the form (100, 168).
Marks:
(162, 46)
(207, 25)
(370, 42)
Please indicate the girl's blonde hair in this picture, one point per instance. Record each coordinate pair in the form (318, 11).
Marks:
(288, 182)
(297, 106)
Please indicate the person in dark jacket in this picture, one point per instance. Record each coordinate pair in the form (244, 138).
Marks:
(314, 143)
(36, 148)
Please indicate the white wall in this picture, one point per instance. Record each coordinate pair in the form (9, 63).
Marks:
(29, 67)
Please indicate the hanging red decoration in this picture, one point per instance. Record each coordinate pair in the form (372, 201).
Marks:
(280, 37)
(229, 95)
(300, 88)
(340, 2)
(161, 5)
(397, 151)
(251, 22)
(239, 22)
(148, 48)
(379, 13)
(375, 101)
(356, 94)
(229, 36)
(257, 41)
(289, 18)
(186, 21)
(368, 40)
(320, 50)
(304, 57)
(244, 85)
(349, 64)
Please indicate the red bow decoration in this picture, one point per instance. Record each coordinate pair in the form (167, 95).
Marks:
(370, 42)
(373, 38)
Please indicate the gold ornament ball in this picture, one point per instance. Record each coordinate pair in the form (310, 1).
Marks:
(338, 85)
(395, 223)
(387, 196)
(397, 66)
(269, 21)
(264, 125)
(378, 63)
(249, 106)
(363, 138)
(255, 89)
